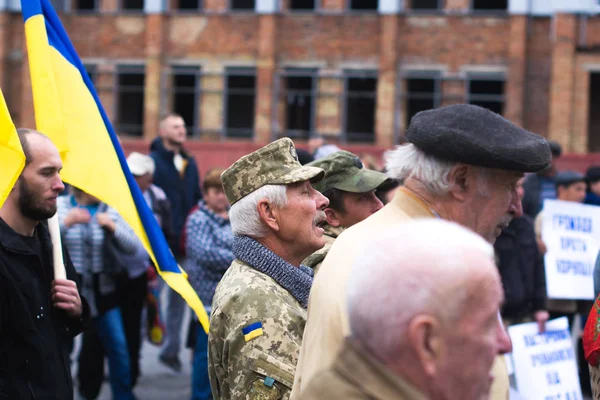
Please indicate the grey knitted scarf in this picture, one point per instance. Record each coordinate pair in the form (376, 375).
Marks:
(297, 281)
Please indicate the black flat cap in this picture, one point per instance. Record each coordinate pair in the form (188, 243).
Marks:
(474, 135)
(566, 178)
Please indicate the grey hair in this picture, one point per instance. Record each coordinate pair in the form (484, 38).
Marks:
(408, 161)
(417, 271)
(244, 216)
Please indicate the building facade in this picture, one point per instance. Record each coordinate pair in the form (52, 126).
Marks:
(356, 71)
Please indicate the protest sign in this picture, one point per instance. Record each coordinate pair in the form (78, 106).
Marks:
(544, 364)
(571, 232)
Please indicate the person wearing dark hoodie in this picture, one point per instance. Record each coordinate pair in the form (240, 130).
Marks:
(592, 178)
(177, 174)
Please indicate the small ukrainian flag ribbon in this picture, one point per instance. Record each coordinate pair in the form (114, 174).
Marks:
(252, 331)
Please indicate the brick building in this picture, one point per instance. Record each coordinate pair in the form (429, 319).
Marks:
(243, 72)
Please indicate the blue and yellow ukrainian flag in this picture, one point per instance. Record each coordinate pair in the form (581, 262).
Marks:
(12, 158)
(68, 110)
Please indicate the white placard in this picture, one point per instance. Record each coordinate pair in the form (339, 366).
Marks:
(545, 365)
(571, 232)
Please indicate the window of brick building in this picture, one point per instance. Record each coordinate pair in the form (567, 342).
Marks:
(84, 5)
(361, 100)
(363, 5)
(242, 4)
(594, 116)
(185, 96)
(240, 97)
(302, 5)
(487, 92)
(130, 100)
(299, 111)
(426, 4)
(489, 5)
(132, 5)
(423, 92)
(193, 5)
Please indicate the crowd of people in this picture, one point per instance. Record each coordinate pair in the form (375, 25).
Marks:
(324, 275)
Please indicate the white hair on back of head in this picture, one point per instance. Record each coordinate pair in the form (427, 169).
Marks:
(414, 269)
(243, 215)
(408, 161)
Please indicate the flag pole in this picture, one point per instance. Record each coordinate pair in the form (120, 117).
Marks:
(59, 264)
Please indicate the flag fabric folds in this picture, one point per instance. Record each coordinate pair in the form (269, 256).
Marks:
(68, 110)
(12, 158)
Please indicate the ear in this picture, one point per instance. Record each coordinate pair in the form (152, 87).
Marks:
(424, 336)
(268, 214)
(332, 217)
(461, 181)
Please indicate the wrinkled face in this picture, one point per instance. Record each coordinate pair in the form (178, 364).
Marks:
(357, 207)
(144, 181)
(574, 192)
(215, 199)
(495, 203)
(473, 342)
(299, 218)
(40, 183)
(173, 130)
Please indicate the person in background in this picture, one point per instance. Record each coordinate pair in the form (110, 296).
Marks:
(592, 177)
(570, 186)
(208, 255)
(85, 225)
(39, 315)
(350, 189)
(521, 267)
(541, 186)
(411, 337)
(177, 174)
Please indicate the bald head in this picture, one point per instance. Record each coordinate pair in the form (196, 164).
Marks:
(27, 136)
(430, 288)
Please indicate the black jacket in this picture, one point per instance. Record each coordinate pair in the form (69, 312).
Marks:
(34, 336)
(521, 268)
(183, 192)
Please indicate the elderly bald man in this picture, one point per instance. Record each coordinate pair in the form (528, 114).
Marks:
(413, 335)
(462, 164)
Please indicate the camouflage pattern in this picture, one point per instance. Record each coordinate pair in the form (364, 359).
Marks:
(345, 171)
(240, 369)
(316, 259)
(274, 164)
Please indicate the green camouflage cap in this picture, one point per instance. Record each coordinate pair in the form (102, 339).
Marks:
(275, 164)
(345, 171)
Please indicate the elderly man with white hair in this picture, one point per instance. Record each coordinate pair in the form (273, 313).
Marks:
(461, 164)
(413, 335)
(259, 307)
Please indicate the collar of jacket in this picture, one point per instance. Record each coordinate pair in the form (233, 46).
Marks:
(12, 241)
(362, 369)
(158, 146)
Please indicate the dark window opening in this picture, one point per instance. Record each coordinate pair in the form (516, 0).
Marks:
(242, 4)
(132, 4)
(302, 4)
(189, 4)
(130, 102)
(490, 5)
(92, 72)
(488, 94)
(59, 5)
(300, 102)
(361, 96)
(363, 4)
(185, 99)
(425, 4)
(84, 5)
(594, 116)
(422, 94)
(241, 95)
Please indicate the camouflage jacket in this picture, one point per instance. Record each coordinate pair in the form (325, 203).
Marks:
(315, 260)
(256, 329)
